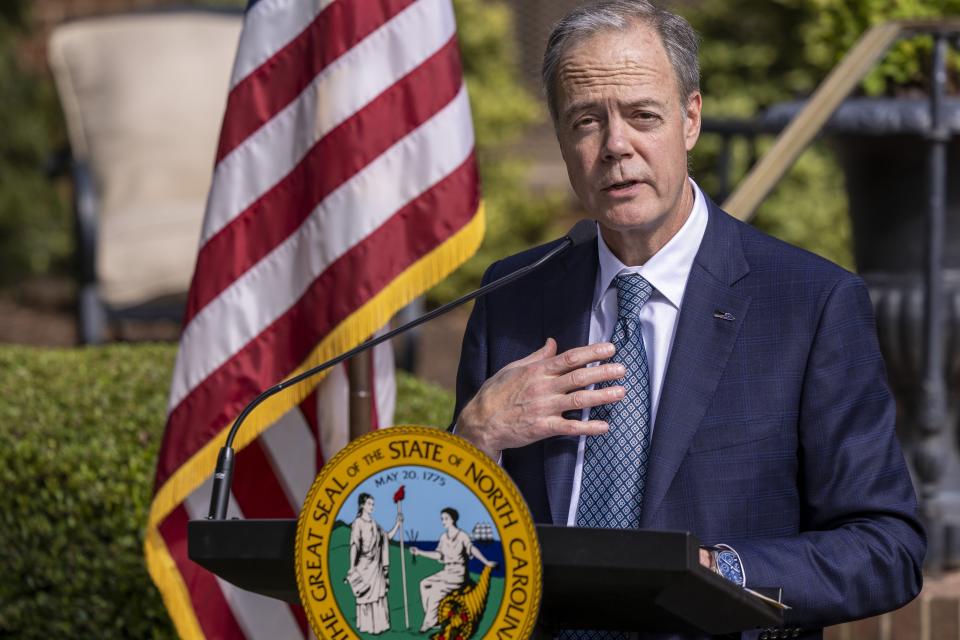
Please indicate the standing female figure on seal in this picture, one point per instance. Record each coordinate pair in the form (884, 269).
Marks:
(369, 567)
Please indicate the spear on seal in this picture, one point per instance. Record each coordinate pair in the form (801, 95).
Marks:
(398, 500)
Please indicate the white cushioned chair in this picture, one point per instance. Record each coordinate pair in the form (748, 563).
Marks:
(143, 95)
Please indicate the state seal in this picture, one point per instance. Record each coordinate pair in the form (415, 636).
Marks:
(411, 532)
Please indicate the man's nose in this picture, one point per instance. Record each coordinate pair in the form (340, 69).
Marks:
(616, 145)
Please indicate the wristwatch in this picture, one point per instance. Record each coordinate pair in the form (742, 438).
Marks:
(727, 563)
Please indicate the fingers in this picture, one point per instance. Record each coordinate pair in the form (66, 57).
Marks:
(554, 364)
(564, 427)
(525, 401)
(587, 399)
(586, 376)
(577, 358)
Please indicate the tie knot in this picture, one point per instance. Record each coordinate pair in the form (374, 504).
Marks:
(632, 292)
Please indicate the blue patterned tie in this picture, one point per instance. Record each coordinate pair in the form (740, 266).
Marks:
(615, 464)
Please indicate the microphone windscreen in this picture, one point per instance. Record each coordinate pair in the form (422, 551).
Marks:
(583, 231)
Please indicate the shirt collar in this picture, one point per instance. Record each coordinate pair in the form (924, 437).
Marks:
(668, 269)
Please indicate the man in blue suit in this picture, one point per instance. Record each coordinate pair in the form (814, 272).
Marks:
(686, 371)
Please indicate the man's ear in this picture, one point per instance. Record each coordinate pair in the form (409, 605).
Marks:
(691, 120)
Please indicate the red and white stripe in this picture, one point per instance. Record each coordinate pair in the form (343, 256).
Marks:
(273, 475)
(346, 155)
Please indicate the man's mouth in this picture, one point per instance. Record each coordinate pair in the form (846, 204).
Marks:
(620, 186)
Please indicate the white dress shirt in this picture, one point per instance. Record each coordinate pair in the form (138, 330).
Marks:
(667, 272)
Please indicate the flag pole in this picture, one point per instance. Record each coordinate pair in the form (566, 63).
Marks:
(359, 377)
(403, 570)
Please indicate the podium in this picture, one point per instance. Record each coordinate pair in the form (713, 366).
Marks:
(592, 578)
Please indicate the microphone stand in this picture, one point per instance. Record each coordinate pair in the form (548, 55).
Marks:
(581, 232)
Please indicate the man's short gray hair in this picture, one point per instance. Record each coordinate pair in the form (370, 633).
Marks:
(679, 39)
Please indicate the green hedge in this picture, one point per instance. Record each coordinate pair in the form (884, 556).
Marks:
(79, 433)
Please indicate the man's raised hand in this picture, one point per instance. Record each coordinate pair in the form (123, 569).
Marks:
(525, 401)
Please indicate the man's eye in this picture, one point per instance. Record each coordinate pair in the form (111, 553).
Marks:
(585, 121)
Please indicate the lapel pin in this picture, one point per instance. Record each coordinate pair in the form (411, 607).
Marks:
(723, 315)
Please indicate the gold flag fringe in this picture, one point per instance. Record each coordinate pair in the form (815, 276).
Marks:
(360, 325)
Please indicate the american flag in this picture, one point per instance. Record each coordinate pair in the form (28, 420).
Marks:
(345, 185)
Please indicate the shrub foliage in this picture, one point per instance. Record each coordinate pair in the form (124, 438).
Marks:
(757, 54)
(79, 434)
(838, 24)
(753, 56)
(502, 111)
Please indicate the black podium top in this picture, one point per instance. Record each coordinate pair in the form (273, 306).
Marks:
(592, 578)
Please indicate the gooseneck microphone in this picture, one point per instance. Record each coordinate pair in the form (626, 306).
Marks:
(582, 232)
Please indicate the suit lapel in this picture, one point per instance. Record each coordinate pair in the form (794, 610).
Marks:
(701, 348)
(567, 296)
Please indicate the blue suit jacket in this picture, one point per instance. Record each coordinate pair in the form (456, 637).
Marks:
(775, 431)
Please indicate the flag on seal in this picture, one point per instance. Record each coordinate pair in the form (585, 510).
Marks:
(345, 185)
